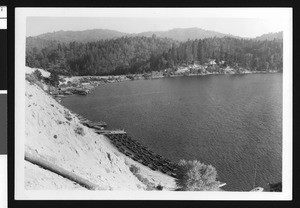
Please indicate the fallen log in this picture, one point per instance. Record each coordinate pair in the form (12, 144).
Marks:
(60, 171)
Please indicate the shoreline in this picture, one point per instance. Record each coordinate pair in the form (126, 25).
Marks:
(165, 171)
(83, 85)
(193, 75)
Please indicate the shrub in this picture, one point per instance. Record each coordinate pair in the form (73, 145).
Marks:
(134, 169)
(54, 79)
(146, 76)
(30, 78)
(196, 176)
(149, 185)
(131, 77)
(38, 75)
(111, 78)
(68, 116)
(62, 79)
(159, 187)
(275, 187)
(79, 130)
(63, 85)
(33, 80)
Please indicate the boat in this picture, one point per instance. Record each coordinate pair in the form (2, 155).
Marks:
(257, 189)
(222, 184)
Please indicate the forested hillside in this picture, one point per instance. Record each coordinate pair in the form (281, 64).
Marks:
(249, 54)
(143, 54)
(119, 56)
(39, 43)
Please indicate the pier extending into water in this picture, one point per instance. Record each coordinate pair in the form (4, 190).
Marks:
(100, 125)
(132, 148)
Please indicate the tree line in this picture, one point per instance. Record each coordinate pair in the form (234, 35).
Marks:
(132, 55)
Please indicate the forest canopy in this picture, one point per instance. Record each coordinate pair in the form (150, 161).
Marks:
(132, 55)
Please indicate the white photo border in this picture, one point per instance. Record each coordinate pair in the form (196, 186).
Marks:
(21, 15)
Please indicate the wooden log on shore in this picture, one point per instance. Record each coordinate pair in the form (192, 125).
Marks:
(151, 167)
(158, 156)
(135, 158)
(60, 171)
(145, 163)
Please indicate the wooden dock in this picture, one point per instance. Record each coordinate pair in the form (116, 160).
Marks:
(132, 148)
(100, 125)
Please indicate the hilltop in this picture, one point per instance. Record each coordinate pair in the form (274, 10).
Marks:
(178, 34)
(184, 34)
(270, 36)
(82, 36)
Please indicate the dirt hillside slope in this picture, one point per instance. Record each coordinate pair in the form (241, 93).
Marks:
(55, 134)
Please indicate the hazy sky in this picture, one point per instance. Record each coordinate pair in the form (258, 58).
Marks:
(244, 27)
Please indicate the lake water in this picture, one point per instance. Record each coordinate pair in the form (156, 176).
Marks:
(232, 122)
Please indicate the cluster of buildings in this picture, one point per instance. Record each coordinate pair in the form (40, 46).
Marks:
(210, 67)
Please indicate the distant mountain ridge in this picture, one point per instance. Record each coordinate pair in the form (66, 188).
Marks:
(179, 34)
(82, 36)
(270, 36)
(183, 34)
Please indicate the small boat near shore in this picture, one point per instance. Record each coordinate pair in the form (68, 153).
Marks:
(222, 184)
(257, 189)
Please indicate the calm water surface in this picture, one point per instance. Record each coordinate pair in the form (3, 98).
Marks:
(232, 122)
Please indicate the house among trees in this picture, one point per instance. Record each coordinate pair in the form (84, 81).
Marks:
(167, 72)
(221, 62)
(182, 70)
(211, 62)
(228, 70)
(156, 74)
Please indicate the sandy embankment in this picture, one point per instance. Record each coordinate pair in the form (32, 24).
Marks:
(55, 134)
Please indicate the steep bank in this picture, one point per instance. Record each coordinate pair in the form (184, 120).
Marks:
(54, 134)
